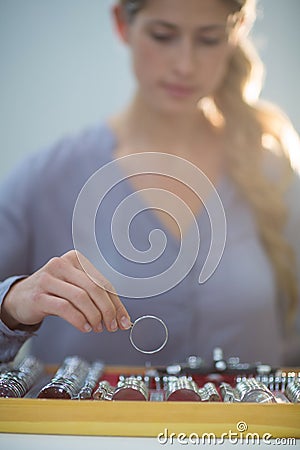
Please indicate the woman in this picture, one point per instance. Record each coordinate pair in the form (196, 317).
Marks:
(195, 114)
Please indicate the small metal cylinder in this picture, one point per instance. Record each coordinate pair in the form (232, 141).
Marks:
(104, 391)
(68, 379)
(209, 393)
(94, 373)
(18, 381)
(254, 391)
(182, 389)
(293, 391)
(228, 393)
(132, 388)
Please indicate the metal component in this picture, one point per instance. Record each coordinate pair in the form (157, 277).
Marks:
(233, 361)
(194, 362)
(293, 391)
(132, 388)
(122, 378)
(94, 373)
(157, 396)
(254, 391)
(174, 369)
(139, 349)
(280, 397)
(283, 381)
(183, 389)
(277, 380)
(168, 380)
(220, 364)
(104, 391)
(209, 393)
(68, 379)
(19, 380)
(232, 366)
(147, 381)
(157, 381)
(228, 393)
(291, 376)
(240, 378)
(271, 382)
(263, 372)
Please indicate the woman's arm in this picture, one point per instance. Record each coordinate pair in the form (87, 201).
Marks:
(62, 288)
(58, 288)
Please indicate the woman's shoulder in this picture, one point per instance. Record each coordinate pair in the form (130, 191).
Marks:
(73, 157)
(90, 144)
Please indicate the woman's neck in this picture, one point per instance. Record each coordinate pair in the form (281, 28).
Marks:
(140, 128)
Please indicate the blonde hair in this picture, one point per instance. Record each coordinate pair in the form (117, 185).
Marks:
(255, 128)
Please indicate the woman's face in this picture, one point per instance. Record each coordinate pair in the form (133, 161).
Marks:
(180, 50)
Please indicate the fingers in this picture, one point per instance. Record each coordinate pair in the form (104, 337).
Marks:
(80, 300)
(122, 315)
(95, 297)
(62, 288)
(57, 306)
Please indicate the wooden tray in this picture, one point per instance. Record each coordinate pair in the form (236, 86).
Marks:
(146, 419)
(122, 418)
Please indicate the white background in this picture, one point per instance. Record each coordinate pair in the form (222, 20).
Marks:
(50, 442)
(62, 68)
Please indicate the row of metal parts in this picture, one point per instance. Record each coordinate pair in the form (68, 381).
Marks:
(76, 379)
(184, 388)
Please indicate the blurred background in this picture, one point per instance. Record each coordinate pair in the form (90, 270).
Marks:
(63, 68)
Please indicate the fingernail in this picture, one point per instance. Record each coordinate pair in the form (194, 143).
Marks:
(114, 325)
(100, 327)
(125, 322)
(87, 327)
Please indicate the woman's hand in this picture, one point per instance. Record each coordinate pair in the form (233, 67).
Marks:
(62, 288)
